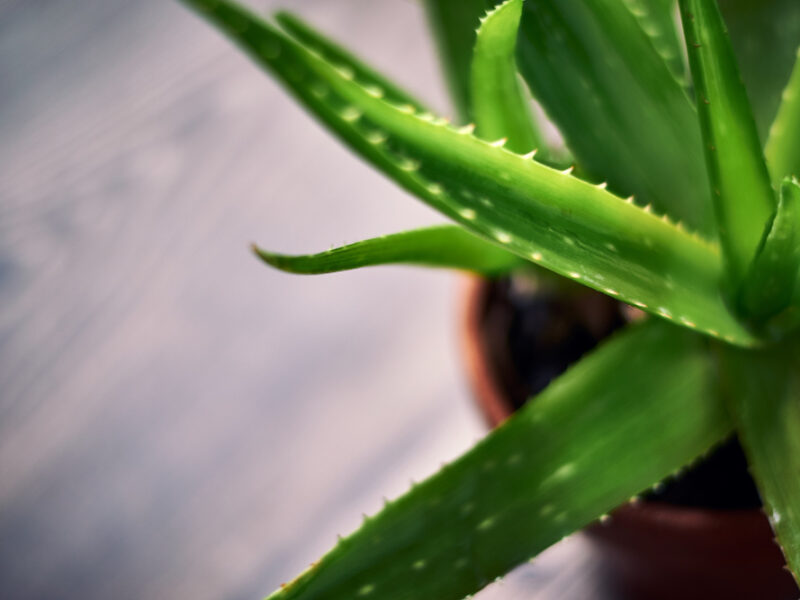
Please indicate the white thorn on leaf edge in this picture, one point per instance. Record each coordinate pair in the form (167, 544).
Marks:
(466, 129)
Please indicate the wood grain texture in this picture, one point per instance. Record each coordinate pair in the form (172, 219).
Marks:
(176, 420)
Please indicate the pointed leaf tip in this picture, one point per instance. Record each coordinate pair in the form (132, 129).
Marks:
(445, 246)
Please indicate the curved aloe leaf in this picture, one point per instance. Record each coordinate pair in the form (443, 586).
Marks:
(344, 60)
(444, 246)
(549, 217)
(764, 392)
(499, 104)
(454, 25)
(599, 240)
(626, 119)
(759, 29)
(772, 277)
(743, 197)
(581, 448)
(783, 146)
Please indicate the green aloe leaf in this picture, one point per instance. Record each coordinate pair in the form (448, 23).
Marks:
(566, 225)
(743, 197)
(783, 146)
(344, 60)
(601, 79)
(447, 246)
(761, 29)
(772, 277)
(454, 25)
(500, 106)
(585, 445)
(657, 20)
(764, 392)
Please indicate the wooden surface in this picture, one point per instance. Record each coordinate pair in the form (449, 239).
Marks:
(176, 420)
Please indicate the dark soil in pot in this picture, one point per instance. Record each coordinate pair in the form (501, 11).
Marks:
(701, 535)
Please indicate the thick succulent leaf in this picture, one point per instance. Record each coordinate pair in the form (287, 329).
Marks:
(657, 19)
(764, 392)
(743, 197)
(446, 246)
(500, 106)
(772, 277)
(546, 216)
(454, 25)
(761, 29)
(344, 60)
(783, 145)
(585, 445)
(626, 119)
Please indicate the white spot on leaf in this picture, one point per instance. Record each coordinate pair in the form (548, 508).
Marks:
(408, 164)
(502, 236)
(351, 113)
(344, 72)
(564, 471)
(374, 91)
(376, 137)
(319, 90)
(435, 189)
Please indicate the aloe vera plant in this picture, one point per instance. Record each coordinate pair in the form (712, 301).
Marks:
(670, 197)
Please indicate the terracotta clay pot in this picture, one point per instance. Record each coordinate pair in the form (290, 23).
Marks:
(649, 550)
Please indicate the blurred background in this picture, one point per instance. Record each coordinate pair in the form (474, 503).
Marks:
(176, 419)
